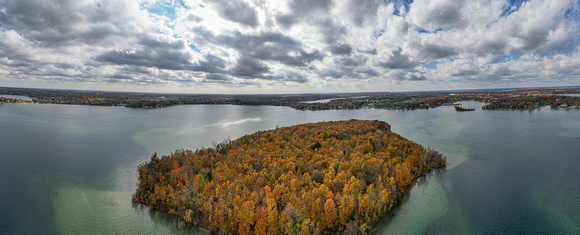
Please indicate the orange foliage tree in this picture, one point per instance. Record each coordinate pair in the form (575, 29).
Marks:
(312, 178)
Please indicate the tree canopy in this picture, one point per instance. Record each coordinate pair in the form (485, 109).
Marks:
(328, 177)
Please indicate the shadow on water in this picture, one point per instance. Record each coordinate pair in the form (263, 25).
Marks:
(425, 202)
(169, 222)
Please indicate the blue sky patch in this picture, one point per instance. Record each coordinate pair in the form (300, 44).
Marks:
(431, 65)
(422, 30)
(193, 47)
(406, 3)
(510, 57)
(166, 8)
(564, 49)
(504, 59)
(514, 5)
(4, 29)
(381, 33)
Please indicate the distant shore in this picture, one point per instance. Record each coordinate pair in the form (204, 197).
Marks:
(513, 99)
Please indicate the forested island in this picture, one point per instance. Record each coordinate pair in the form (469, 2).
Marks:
(462, 109)
(320, 178)
(515, 99)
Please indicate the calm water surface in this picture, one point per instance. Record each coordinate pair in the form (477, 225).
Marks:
(71, 169)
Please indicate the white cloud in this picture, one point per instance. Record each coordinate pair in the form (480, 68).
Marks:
(243, 46)
(436, 14)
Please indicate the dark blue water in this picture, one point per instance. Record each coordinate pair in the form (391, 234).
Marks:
(71, 169)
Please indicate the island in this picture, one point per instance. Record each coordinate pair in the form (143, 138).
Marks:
(317, 178)
(462, 109)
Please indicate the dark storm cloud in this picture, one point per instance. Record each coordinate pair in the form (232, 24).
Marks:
(155, 43)
(341, 49)
(436, 16)
(353, 61)
(237, 11)
(351, 72)
(370, 51)
(14, 54)
(370, 72)
(286, 21)
(291, 77)
(446, 16)
(463, 73)
(408, 75)
(351, 67)
(120, 77)
(137, 69)
(399, 61)
(304, 10)
(57, 22)
(503, 72)
(306, 7)
(530, 39)
(338, 71)
(248, 67)
(494, 46)
(432, 51)
(365, 9)
(416, 76)
(331, 73)
(15, 63)
(332, 31)
(211, 64)
(269, 46)
(152, 53)
(314, 12)
(217, 77)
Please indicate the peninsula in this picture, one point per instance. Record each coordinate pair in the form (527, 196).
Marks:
(327, 177)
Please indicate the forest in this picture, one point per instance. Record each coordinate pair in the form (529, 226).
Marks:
(318, 178)
(520, 99)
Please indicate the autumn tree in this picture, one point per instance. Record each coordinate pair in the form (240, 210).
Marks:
(329, 177)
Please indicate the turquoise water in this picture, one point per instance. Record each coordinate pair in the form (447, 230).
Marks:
(71, 169)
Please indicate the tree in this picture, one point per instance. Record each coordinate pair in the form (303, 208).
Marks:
(330, 211)
(261, 221)
(246, 217)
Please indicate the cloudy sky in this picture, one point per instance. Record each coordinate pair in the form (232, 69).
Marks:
(276, 46)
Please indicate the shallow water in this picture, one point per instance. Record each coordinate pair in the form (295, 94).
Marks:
(71, 169)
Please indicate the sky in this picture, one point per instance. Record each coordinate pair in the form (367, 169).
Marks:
(288, 46)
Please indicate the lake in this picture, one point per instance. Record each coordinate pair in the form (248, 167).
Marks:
(71, 169)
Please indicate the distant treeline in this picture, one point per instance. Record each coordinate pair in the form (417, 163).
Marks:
(328, 178)
(495, 99)
(9, 100)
